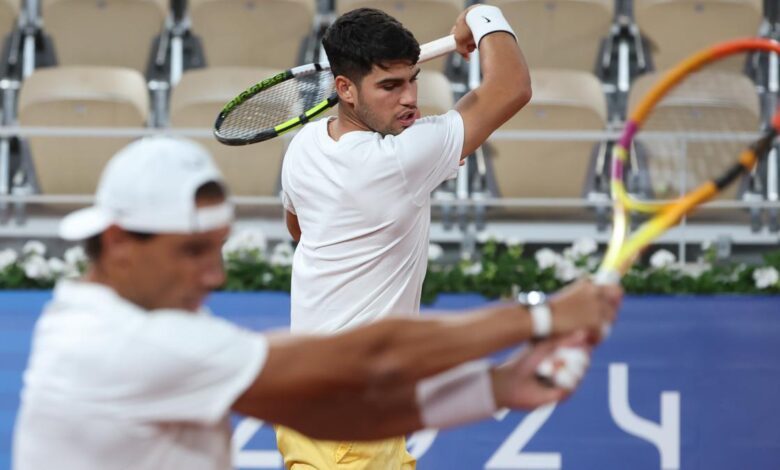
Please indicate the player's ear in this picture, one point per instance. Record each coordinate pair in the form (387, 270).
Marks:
(346, 89)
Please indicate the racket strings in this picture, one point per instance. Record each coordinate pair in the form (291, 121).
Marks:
(277, 105)
(705, 121)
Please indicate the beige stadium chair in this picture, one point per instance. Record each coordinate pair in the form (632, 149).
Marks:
(9, 10)
(563, 34)
(426, 19)
(550, 169)
(252, 33)
(251, 170)
(434, 93)
(104, 32)
(711, 101)
(89, 96)
(678, 28)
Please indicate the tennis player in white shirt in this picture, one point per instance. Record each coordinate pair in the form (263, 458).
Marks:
(357, 189)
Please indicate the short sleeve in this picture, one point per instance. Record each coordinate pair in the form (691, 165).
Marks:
(287, 202)
(185, 367)
(429, 153)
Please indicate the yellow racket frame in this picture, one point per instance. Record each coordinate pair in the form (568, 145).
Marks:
(622, 250)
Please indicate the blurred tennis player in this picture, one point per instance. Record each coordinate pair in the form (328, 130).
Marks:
(357, 190)
(129, 371)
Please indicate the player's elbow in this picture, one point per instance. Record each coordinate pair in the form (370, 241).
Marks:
(525, 95)
(521, 95)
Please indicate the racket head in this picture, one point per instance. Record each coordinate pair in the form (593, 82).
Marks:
(731, 163)
(290, 99)
(276, 105)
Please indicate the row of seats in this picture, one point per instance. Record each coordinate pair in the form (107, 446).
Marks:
(559, 39)
(553, 33)
(105, 97)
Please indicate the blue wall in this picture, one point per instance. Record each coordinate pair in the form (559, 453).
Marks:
(715, 361)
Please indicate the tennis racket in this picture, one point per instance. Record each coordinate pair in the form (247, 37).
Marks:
(290, 99)
(709, 168)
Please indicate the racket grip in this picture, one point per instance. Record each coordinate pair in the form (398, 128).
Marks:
(437, 48)
(564, 368)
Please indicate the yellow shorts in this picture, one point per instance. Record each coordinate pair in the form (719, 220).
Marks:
(303, 453)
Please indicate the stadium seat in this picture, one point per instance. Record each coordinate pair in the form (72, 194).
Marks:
(251, 170)
(434, 95)
(426, 19)
(711, 101)
(678, 28)
(89, 96)
(562, 34)
(252, 33)
(9, 9)
(103, 32)
(553, 169)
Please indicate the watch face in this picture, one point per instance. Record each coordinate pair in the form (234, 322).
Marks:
(531, 298)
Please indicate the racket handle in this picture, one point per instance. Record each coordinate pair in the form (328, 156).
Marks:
(437, 48)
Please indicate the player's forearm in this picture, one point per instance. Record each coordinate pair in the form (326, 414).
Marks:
(393, 350)
(505, 76)
(366, 415)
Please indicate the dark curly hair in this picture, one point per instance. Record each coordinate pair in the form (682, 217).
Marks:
(365, 37)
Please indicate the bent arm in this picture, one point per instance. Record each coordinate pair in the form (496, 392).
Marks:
(505, 89)
(361, 384)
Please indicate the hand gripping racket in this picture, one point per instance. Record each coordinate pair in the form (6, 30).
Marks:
(290, 99)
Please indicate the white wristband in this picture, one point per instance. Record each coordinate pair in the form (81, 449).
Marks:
(486, 19)
(541, 320)
(458, 396)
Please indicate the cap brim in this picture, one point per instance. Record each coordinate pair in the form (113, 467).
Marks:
(84, 223)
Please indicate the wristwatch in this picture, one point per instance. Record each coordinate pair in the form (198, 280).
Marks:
(541, 315)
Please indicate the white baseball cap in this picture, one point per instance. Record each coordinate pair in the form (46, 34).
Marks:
(149, 186)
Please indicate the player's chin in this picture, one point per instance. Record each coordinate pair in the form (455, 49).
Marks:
(193, 303)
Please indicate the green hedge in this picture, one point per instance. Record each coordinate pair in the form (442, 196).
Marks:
(498, 269)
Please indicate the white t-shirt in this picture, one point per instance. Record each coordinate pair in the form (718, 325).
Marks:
(111, 386)
(363, 205)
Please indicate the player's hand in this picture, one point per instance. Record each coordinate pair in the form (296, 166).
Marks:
(516, 383)
(584, 305)
(464, 39)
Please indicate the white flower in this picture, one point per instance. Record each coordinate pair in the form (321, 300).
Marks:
(582, 247)
(282, 254)
(662, 259)
(34, 247)
(566, 271)
(36, 267)
(75, 256)
(57, 267)
(513, 241)
(694, 270)
(246, 240)
(435, 252)
(766, 277)
(473, 270)
(485, 236)
(547, 258)
(7, 258)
